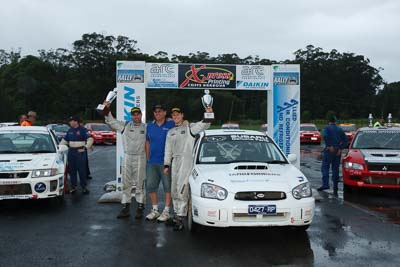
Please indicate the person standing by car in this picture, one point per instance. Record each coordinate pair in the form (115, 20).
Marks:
(380, 123)
(22, 118)
(178, 160)
(155, 147)
(335, 140)
(134, 164)
(31, 120)
(78, 140)
(89, 177)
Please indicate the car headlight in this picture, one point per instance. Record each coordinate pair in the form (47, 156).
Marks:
(302, 191)
(44, 173)
(352, 165)
(213, 191)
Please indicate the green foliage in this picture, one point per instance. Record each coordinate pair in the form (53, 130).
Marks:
(60, 82)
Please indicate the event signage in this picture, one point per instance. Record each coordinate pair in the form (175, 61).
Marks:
(161, 75)
(254, 77)
(199, 76)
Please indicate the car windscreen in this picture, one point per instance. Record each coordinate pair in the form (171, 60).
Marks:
(224, 149)
(15, 143)
(348, 128)
(308, 128)
(101, 127)
(61, 128)
(377, 139)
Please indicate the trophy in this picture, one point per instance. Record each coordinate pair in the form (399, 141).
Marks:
(110, 98)
(207, 101)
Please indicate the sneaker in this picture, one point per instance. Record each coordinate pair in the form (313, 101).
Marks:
(322, 188)
(154, 214)
(85, 191)
(72, 190)
(139, 211)
(124, 213)
(164, 216)
(178, 225)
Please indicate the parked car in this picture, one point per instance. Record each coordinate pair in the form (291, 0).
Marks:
(264, 128)
(230, 125)
(32, 164)
(101, 133)
(349, 129)
(309, 133)
(59, 129)
(242, 178)
(373, 159)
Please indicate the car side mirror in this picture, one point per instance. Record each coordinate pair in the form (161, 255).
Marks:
(62, 148)
(292, 158)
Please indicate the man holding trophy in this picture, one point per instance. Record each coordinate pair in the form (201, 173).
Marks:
(179, 147)
(134, 164)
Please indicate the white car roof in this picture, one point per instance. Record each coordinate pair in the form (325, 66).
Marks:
(232, 131)
(24, 129)
(383, 128)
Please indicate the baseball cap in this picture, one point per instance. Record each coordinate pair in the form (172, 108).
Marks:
(158, 107)
(136, 109)
(74, 118)
(179, 110)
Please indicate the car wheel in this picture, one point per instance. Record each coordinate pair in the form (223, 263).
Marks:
(347, 188)
(192, 226)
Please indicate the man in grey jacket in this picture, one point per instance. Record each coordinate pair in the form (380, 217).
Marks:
(178, 157)
(134, 164)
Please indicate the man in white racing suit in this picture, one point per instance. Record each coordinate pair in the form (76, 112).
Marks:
(134, 163)
(178, 157)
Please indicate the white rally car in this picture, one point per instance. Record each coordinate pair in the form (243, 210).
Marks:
(242, 178)
(32, 164)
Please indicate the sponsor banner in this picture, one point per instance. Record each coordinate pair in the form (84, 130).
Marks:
(286, 109)
(130, 76)
(254, 77)
(130, 94)
(199, 76)
(161, 75)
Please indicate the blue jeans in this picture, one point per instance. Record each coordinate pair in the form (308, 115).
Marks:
(155, 174)
(330, 159)
(77, 163)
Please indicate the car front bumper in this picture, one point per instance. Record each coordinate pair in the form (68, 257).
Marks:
(32, 188)
(231, 213)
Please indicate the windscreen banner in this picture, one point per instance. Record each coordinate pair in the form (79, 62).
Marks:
(286, 108)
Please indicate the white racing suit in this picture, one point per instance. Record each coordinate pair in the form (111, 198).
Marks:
(134, 163)
(178, 156)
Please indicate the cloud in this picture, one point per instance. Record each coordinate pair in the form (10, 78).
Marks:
(270, 29)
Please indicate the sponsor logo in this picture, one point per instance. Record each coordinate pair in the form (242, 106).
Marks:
(260, 195)
(162, 70)
(286, 79)
(385, 168)
(252, 71)
(243, 84)
(162, 75)
(130, 76)
(40, 187)
(204, 76)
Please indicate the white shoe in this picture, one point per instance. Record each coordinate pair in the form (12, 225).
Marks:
(154, 214)
(164, 216)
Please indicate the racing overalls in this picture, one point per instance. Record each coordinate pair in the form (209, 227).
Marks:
(134, 162)
(77, 138)
(178, 156)
(335, 140)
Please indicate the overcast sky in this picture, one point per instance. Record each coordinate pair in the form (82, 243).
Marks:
(270, 29)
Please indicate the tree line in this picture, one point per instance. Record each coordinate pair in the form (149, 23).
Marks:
(61, 82)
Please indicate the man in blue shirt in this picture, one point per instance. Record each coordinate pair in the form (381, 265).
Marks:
(155, 146)
(335, 140)
(78, 140)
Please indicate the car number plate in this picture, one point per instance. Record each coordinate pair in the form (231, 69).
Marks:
(262, 209)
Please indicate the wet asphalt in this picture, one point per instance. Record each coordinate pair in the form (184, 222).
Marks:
(358, 229)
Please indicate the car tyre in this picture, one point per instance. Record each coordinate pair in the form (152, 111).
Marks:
(192, 226)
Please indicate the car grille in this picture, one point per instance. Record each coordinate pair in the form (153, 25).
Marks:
(13, 175)
(260, 195)
(384, 167)
(18, 189)
(382, 180)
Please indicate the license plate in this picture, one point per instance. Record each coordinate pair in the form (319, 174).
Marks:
(262, 209)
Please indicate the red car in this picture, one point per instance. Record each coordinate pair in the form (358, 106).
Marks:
(349, 130)
(309, 133)
(373, 159)
(101, 133)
